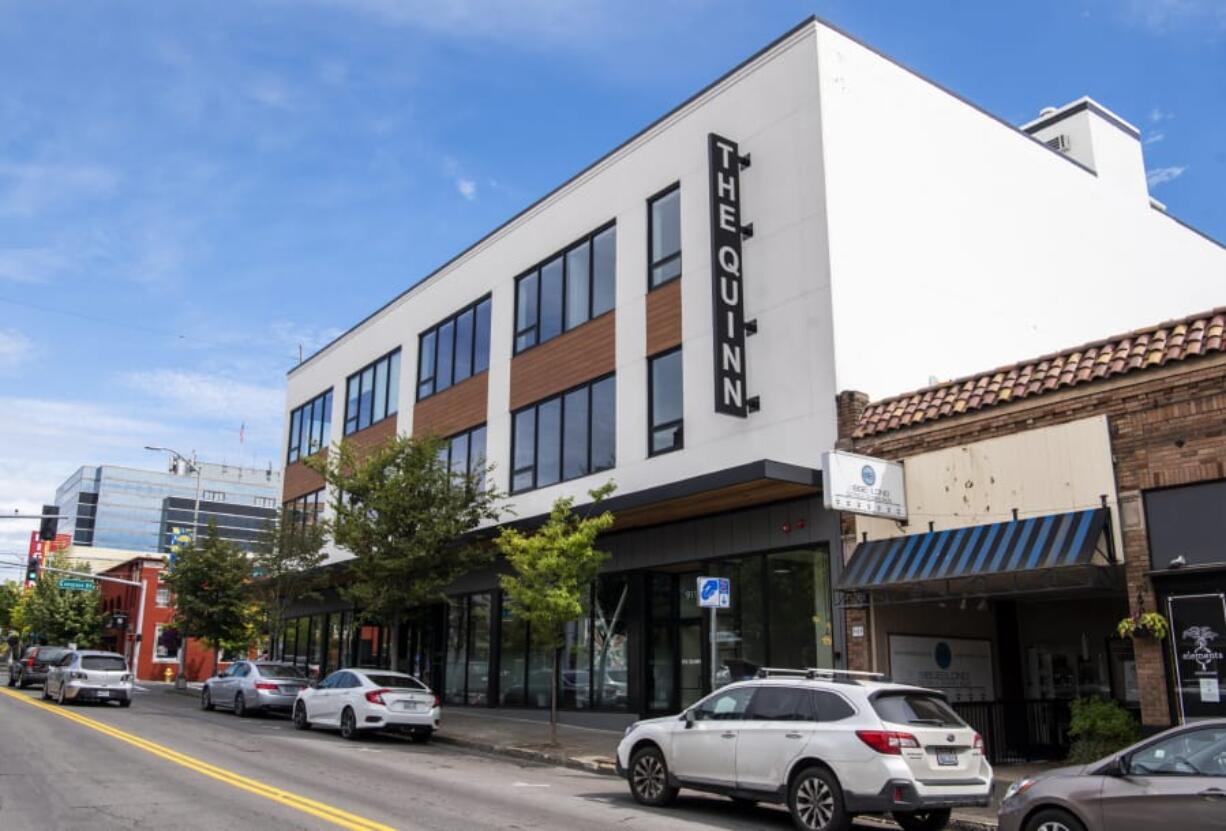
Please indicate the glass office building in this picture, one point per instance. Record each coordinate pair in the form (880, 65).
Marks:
(108, 506)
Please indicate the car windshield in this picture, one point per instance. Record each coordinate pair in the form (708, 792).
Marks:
(395, 682)
(280, 671)
(104, 663)
(916, 708)
(50, 656)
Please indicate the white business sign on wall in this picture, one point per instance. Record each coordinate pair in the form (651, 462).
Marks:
(863, 485)
(959, 667)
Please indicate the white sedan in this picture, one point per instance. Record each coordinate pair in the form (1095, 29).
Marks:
(357, 700)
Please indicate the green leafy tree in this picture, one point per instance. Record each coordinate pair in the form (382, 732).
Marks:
(209, 579)
(60, 616)
(553, 568)
(407, 519)
(285, 562)
(10, 595)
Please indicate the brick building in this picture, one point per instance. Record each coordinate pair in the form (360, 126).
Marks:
(1127, 433)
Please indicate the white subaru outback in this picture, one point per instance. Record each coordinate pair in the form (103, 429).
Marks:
(829, 744)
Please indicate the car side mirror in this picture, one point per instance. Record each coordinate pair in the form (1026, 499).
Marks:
(689, 719)
(1117, 767)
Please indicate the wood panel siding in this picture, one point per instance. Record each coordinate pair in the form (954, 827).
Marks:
(732, 498)
(299, 480)
(454, 409)
(568, 360)
(373, 435)
(664, 317)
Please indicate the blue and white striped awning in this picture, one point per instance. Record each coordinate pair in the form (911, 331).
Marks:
(1021, 545)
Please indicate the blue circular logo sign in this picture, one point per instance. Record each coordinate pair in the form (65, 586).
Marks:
(868, 475)
(943, 655)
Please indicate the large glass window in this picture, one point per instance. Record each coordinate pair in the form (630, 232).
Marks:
(464, 453)
(310, 427)
(512, 659)
(741, 631)
(306, 509)
(664, 231)
(611, 642)
(665, 396)
(565, 437)
(567, 290)
(800, 618)
(372, 393)
(478, 648)
(453, 350)
(457, 650)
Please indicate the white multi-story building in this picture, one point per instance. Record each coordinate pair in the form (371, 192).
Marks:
(678, 317)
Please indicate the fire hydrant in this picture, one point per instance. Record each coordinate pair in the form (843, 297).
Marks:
(168, 675)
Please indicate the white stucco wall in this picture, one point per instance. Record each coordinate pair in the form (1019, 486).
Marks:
(959, 244)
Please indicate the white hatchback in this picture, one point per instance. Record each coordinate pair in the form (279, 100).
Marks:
(359, 700)
(828, 744)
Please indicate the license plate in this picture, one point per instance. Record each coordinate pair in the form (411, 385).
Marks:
(410, 705)
(104, 694)
(947, 758)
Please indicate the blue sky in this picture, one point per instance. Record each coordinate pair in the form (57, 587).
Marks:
(189, 192)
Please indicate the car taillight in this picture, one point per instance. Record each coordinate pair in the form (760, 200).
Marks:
(887, 742)
(30, 660)
(376, 696)
(264, 685)
(438, 702)
(125, 678)
(978, 743)
(79, 676)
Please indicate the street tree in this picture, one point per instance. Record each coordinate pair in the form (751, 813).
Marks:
(553, 567)
(285, 562)
(209, 579)
(10, 594)
(60, 616)
(407, 518)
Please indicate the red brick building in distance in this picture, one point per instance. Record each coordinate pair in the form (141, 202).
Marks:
(157, 652)
(1047, 501)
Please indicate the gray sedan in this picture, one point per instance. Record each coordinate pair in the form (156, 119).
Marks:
(249, 686)
(1176, 780)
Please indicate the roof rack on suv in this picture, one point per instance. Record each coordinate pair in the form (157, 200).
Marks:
(842, 675)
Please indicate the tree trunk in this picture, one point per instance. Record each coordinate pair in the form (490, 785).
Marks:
(553, 696)
(215, 650)
(393, 650)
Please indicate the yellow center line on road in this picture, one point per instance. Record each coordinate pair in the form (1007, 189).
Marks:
(336, 816)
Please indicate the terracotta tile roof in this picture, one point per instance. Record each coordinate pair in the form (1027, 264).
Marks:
(1175, 340)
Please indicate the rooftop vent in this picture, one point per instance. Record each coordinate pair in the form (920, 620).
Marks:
(1046, 111)
(1058, 142)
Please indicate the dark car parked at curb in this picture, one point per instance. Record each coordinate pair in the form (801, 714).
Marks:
(1175, 780)
(33, 666)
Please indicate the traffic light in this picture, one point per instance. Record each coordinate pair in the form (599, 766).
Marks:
(49, 524)
(33, 566)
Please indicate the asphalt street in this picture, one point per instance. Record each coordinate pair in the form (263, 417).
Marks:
(166, 764)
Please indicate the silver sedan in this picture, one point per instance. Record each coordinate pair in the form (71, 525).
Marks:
(251, 686)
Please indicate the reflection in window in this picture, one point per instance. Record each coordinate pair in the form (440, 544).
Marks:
(665, 397)
(801, 620)
(566, 290)
(310, 427)
(464, 453)
(565, 437)
(454, 350)
(664, 217)
(373, 393)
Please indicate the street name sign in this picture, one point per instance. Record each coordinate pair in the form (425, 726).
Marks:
(75, 585)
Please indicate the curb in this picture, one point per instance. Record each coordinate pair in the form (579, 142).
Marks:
(598, 765)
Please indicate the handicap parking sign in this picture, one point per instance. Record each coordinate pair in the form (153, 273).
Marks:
(714, 592)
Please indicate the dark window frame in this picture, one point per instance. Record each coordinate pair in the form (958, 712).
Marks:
(652, 265)
(472, 349)
(652, 427)
(293, 451)
(560, 397)
(468, 447)
(561, 254)
(391, 407)
(306, 508)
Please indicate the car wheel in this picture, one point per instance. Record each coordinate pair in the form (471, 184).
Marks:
(206, 700)
(12, 680)
(933, 820)
(1053, 819)
(240, 706)
(816, 801)
(349, 725)
(300, 717)
(649, 778)
(125, 702)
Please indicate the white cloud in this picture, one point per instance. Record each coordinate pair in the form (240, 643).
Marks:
(14, 348)
(1154, 138)
(270, 91)
(1163, 16)
(467, 188)
(32, 189)
(31, 265)
(1162, 175)
(206, 396)
(1157, 115)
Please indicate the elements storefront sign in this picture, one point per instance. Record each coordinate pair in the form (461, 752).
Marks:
(728, 330)
(863, 485)
(959, 667)
(1198, 647)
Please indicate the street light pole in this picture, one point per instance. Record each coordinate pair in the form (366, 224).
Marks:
(194, 467)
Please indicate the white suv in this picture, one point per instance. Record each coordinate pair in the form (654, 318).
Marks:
(829, 744)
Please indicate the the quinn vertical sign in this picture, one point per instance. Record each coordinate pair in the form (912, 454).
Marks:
(727, 300)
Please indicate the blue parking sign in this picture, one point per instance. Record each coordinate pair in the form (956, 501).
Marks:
(714, 592)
